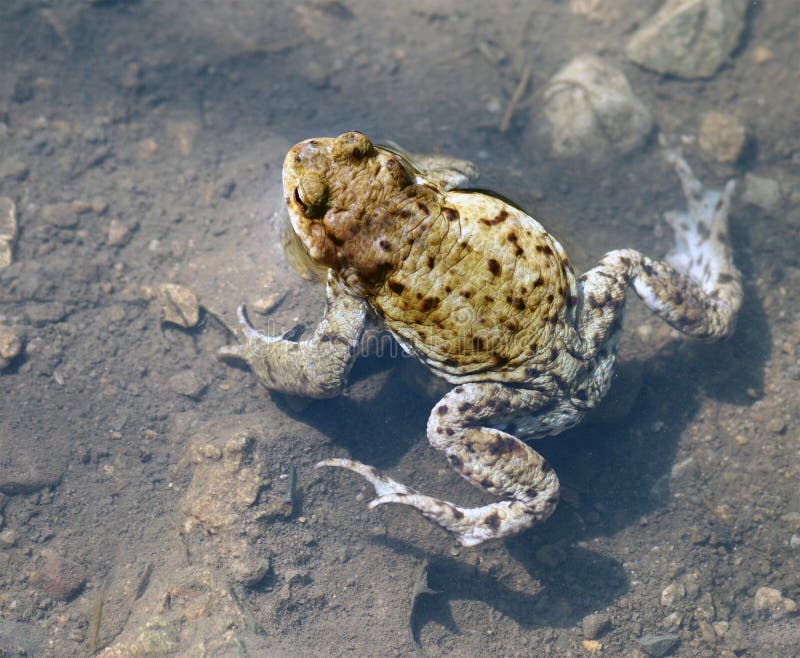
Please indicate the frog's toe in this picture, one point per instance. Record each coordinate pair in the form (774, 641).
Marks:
(383, 484)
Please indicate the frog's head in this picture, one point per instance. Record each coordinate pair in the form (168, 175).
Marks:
(335, 190)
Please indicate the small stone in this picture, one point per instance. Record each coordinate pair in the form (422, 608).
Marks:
(593, 112)
(147, 148)
(762, 192)
(595, 625)
(8, 230)
(8, 537)
(707, 632)
(13, 169)
(99, 205)
(183, 133)
(187, 383)
(10, 346)
(671, 594)
(794, 542)
(45, 313)
(722, 136)
(592, 646)
(720, 628)
(776, 425)
(60, 215)
(58, 577)
(761, 54)
(773, 603)
(689, 38)
(658, 645)
(118, 233)
(179, 305)
(268, 303)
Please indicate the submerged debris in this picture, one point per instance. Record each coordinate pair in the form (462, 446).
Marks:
(420, 587)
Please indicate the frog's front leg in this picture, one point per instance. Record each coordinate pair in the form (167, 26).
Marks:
(466, 425)
(316, 367)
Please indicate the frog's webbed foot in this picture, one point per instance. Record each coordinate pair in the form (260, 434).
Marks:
(470, 526)
(489, 458)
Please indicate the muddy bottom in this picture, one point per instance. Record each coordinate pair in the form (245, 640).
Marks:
(155, 500)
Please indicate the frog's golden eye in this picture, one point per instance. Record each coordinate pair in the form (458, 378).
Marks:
(311, 194)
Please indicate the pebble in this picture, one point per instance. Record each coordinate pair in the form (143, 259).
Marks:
(689, 38)
(58, 577)
(794, 542)
(179, 305)
(187, 383)
(776, 425)
(593, 112)
(183, 133)
(10, 346)
(722, 136)
(671, 594)
(60, 215)
(658, 645)
(761, 55)
(773, 603)
(8, 230)
(118, 233)
(762, 192)
(8, 537)
(13, 169)
(268, 303)
(595, 625)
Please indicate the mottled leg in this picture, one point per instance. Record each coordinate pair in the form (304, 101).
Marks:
(316, 367)
(697, 290)
(467, 426)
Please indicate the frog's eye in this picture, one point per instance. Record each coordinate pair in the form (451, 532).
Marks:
(311, 194)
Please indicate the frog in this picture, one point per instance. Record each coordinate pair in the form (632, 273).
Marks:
(485, 297)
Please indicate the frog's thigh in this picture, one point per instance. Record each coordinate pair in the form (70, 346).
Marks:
(316, 367)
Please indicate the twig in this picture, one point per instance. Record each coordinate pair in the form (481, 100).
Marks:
(515, 98)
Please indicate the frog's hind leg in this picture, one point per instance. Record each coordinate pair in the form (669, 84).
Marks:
(697, 289)
(466, 425)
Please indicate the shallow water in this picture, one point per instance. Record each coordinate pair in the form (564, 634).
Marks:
(146, 503)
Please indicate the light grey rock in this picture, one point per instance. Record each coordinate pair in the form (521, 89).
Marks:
(689, 38)
(658, 645)
(762, 192)
(592, 111)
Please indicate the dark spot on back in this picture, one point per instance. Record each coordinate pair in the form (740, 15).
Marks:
(431, 262)
(396, 287)
(544, 249)
(430, 303)
(499, 360)
(442, 410)
(422, 207)
(494, 266)
(385, 245)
